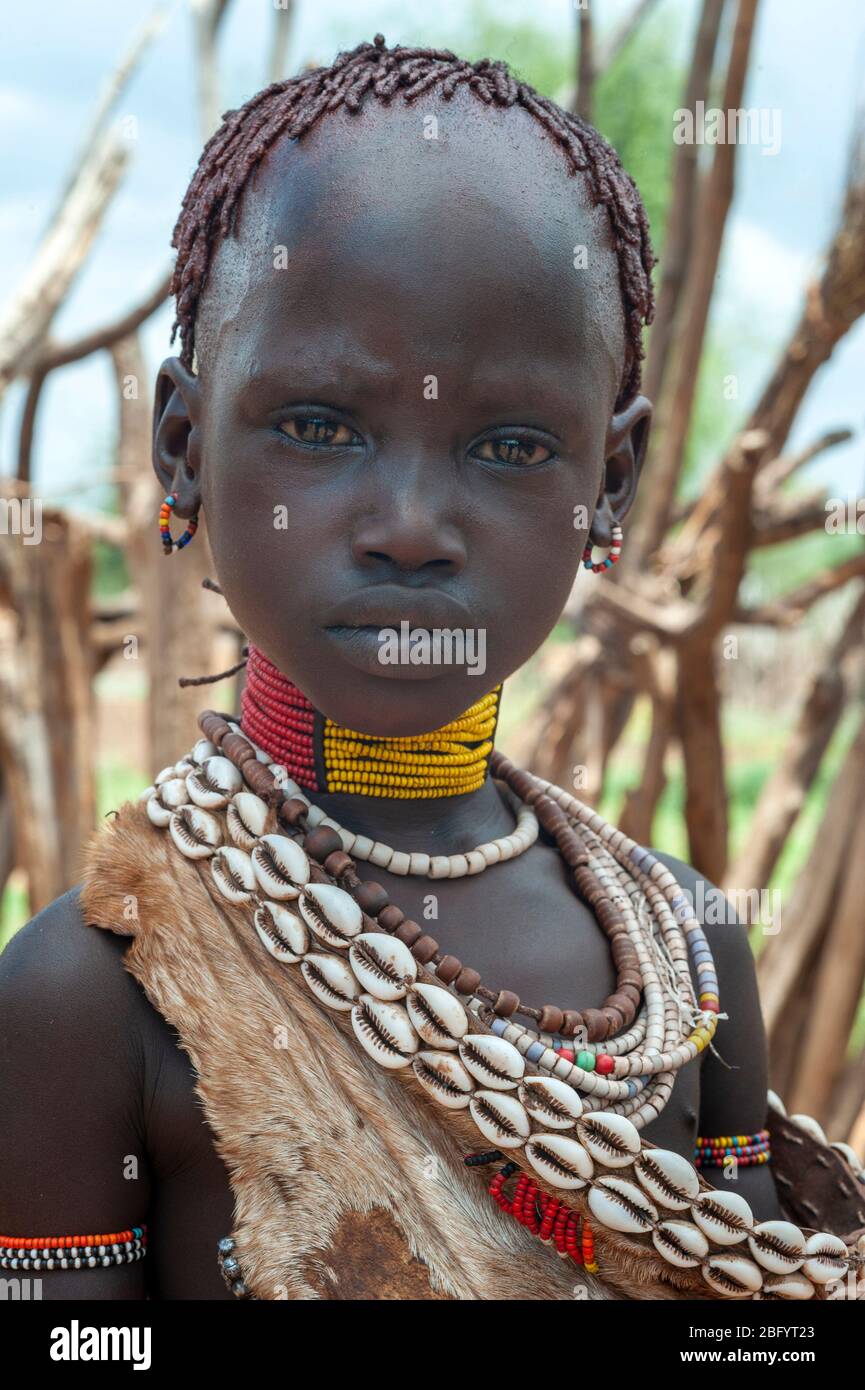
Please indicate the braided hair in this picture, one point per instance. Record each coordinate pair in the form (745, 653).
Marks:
(292, 107)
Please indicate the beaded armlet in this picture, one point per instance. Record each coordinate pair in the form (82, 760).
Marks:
(742, 1148)
(73, 1252)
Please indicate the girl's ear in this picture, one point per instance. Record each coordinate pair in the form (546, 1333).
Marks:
(176, 437)
(625, 450)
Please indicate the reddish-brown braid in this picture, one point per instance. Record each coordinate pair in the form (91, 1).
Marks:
(292, 107)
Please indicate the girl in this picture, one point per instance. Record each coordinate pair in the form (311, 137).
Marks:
(410, 295)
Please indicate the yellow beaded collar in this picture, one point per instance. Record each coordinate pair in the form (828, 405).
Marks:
(323, 756)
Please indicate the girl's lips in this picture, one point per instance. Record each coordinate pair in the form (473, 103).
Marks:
(362, 647)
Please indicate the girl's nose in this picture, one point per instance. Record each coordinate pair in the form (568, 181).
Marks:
(411, 528)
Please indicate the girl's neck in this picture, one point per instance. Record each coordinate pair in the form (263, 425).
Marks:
(430, 792)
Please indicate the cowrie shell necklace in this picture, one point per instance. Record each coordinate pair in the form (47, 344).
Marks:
(303, 917)
(635, 898)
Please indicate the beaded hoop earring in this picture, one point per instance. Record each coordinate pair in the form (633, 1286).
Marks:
(615, 552)
(168, 545)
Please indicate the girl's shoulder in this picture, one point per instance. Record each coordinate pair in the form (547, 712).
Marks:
(80, 1032)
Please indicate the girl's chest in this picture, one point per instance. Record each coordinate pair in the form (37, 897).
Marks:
(522, 927)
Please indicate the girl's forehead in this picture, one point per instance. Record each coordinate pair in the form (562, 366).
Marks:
(469, 233)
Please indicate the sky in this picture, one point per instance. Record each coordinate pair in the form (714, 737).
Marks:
(808, 64)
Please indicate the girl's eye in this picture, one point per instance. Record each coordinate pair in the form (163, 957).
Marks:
(316, 429)
(523, 452)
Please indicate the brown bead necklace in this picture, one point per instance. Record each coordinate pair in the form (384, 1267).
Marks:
(580, 853)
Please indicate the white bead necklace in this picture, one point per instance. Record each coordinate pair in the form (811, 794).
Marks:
(395, 861)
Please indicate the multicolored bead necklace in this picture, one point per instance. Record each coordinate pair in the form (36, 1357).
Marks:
(544, 1215)
(637, 903)
(634, 897)
(413, 1009)
(320, 755)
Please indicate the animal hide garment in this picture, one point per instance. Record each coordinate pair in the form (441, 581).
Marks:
(349, 1181)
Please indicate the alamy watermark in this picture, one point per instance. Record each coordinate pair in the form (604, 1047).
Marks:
(752, 125)
(21, 516)
(437, 646)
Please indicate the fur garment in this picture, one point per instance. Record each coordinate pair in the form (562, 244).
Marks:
(349, 1180)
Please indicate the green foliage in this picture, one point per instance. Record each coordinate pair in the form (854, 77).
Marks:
(524, 46)
(775, 569)
(632, 109)
(110, 572)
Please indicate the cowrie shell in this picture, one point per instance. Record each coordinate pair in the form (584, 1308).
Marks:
(246, 818)
(164, 775)
(333, 914)
(500, 1118)
(147, 793)
(384, 965)
(233, 874)
(445, 1077)
(157, 813)
(810, 1125)
(611, 1139)
(825, 1258)
(281, 866)
(551, 1102)
(850, 1154)
(778, 1246)
(732, 1275)
(680, 1243)
(669, 1179)
(195, 832)
(205, 748)
(560, 1160)
(285, 935)
(775, 1102)
(183, 767)
(724, 1217)
(439, 1018)
(621, 1205)
(384, 1031)
(788, 1286)
(173, 793)
(214, 783)
(331, 980)
(492, 1061)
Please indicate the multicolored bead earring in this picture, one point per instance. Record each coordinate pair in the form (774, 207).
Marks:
(164, 513)
(615, 552)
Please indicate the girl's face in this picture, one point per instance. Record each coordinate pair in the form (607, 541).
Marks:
(404, 406)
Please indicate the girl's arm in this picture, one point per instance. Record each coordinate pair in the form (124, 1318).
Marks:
(733, 1085)
(71, 1156)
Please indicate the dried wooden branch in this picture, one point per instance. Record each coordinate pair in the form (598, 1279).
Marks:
(61, 254)
(679, 230)
(786, 790)
(791, 607)
(621, 36)
(208, 15)
(776, 471)
(657, 669)
(54, 355)
(788, 518)
(283, 19)
(806, 912)
(832, 305)
(585, 65)
(773, 474)
(111, 93)
(593, 60)
(677, 401)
